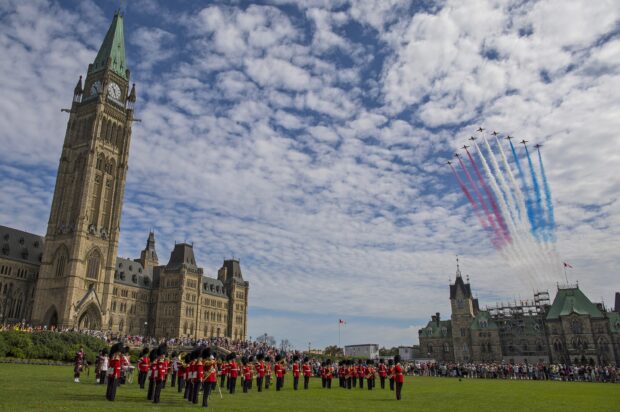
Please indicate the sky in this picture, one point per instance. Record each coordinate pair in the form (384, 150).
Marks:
(309, 139)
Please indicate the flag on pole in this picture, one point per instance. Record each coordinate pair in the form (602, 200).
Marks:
(341, 322)
(566, 265)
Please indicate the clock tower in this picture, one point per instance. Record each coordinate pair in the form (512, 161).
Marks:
(74, 288)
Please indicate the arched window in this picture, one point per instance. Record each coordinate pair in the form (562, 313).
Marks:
(92, 267)
(185, 328)
(112, 134)
(109, 131)
(429, 348)
(119, 136)
(59, 263)
(121, 325)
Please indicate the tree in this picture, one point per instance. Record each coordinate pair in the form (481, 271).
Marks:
(333, 351)
(267, 339)
(388, 352)
(285, 345)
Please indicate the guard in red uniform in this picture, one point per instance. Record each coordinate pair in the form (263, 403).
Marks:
(189, 384)
(143, 367)
(223, 372)
(261, 370)
(399, 376)
(161, 372)
(233, 369)
(280, 371)
(246, 374)
(391, 373)
(361, 372)
(153, 367)
(210, 380)
(370, 375)
(114, 371)
(350, 373)
(296, 372)
(267, 371)
(382, 373)
(198, 376)
(181, 373)
(307, 371)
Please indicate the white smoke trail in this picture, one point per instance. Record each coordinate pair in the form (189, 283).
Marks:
(516, 249)
(520, 230)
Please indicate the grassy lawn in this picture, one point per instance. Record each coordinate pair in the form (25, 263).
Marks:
(51, 388)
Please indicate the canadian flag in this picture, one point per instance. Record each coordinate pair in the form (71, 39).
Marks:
(341, 322)
(566, 265)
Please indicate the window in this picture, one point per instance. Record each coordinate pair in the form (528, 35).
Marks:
(61, 261)
(92, 269)
(430, 348)
(463, 332)
(459, 303)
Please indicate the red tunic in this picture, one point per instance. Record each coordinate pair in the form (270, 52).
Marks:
(211, 373)
(144, 363)
(279, 369)
(260, 369)
(247, 372)
(307, 370)
(382, 370)
(114, 368)
(200, 371)
(399, 377)
(234, 370)
(296, 370)
(181, 370)
(161, 371)
(153, 371)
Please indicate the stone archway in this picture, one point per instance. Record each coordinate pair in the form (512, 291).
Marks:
(90, 318)
(51, 317)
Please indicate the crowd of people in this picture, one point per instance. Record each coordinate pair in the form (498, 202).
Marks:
(525, 371)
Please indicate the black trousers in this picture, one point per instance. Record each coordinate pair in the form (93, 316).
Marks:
(295, 383)
(149, 393)
(279, 383)
(173, 380)
(259, 383)
(102, 376)
(227, 382)
(246, 385)
(267, 381)
(250, 384)
(306, 381)
(207, 387)
(354, 381)
(329, 383)
(163, 384)
(157, 392)
(188, 390)
(111, 389)
(391, 384)
(370, 383)
(361, 382)
(232, 382)
(195, 391)
(141, 379)
(222, 381)
(323, 382)
(382, 382)
(349, 382)
(181, 384)
(399, 387)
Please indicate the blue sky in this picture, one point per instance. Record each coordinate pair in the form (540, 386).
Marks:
(308, 138)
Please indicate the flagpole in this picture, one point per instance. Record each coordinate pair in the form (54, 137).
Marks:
(565, 275)
(339, 323)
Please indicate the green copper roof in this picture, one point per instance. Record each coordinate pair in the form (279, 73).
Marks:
(113, 47)
(572, 300)
(483, 320)
(435, 329)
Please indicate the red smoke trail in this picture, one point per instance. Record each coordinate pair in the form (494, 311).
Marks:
(487, 212)
(503, 230)
(469, 197)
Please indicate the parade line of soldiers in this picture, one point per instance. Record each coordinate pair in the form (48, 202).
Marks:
(200, 371)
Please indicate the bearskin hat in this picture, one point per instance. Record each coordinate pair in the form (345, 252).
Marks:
(278, 357)
(244, 360)
(174, 354)
(188, 357)
(381, 361)
(267, 358)
(162, 350)
(153, 354)
(397, 359)
(260, 357)
(117, 347)
(295, 358)
(104, 352)
(306, 359)
(206, 353)
(144, 351)
(370, 362)
(390, 362)
(328, 362)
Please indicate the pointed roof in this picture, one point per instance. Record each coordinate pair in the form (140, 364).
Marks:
(460, 284)
(113, 48)
(572, 300)
(182, 256)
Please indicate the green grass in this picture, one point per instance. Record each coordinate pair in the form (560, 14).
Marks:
(51, 388)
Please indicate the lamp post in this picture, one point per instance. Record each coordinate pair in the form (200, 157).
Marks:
(308, 347)
(146, 324)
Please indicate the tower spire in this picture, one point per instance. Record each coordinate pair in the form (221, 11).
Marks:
(458, 267)
(112, 51)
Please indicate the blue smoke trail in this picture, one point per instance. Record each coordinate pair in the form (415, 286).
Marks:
(531, 216)
(549, 203)
(541, 224)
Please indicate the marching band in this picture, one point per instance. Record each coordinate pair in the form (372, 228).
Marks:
(198, 371)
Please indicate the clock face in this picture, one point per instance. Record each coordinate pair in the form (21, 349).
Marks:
(95, 89)
(114, 91)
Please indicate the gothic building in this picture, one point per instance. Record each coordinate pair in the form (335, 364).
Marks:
(73, 277)
(571, 330)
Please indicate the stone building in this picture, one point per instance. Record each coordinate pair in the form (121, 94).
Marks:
(572, 329)
(73, 277)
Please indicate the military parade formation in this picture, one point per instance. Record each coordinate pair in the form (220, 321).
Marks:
(198, 374)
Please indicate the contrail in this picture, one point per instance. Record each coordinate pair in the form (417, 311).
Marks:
(528, 201)
(469, 197)
(549, 203)
(539, 208)
(487, 212)
(503, 230)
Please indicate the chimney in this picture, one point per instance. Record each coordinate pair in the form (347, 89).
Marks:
(617, 305)
(434, 318)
